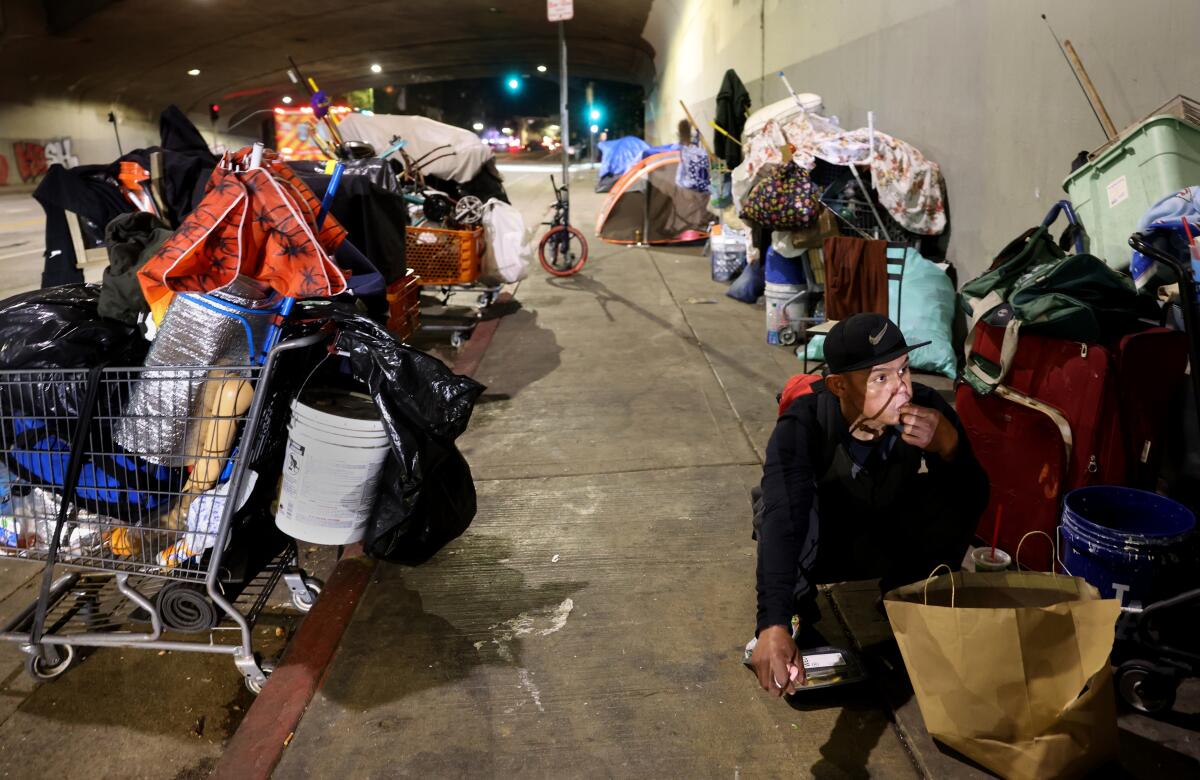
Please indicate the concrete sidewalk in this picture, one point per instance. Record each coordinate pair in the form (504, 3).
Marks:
(591, 622)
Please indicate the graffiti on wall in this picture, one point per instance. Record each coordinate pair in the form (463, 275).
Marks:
(32, 159)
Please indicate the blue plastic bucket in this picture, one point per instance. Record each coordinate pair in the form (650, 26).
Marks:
(1123, 540)
(783, 270)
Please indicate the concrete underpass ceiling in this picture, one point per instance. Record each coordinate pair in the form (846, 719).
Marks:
(138, 52)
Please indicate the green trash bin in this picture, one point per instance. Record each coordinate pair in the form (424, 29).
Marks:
(1113, 191)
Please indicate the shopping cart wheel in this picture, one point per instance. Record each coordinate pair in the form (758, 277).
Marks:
(47, 669)
(1145, 688)
(456, 340)
(304, 600)
(255, 686)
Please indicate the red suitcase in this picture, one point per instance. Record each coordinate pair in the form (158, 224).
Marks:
(1068, 415)
(1151, 370)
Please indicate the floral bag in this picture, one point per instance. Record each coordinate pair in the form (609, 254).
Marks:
(784, 200)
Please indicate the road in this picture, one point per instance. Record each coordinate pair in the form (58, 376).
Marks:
(22, 229)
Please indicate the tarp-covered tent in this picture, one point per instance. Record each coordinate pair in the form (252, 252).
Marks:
(645, 205)
(618, 155)
(460, 157)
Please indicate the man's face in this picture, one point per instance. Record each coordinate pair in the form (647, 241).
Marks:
(878, 394)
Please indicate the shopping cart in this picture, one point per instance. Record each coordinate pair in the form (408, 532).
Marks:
(133, 512)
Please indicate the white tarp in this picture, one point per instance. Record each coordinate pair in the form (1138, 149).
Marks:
(461, 162)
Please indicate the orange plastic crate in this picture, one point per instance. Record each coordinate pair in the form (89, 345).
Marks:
(404, 306)
(442, 256)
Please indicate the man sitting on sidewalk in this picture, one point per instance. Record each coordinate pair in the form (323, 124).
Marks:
(844, 492)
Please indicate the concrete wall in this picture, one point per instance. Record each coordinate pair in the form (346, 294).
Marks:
(978, 85)
(40, 133)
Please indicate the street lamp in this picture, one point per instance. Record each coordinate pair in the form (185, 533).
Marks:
(541, 68)
(477, 127)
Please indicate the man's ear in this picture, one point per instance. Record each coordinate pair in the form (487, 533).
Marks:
(836, 383)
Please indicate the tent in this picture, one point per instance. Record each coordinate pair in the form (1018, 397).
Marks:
(646, 205)
(442, 150)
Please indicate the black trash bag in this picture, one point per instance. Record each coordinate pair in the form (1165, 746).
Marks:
(61, 328)
(426, 496)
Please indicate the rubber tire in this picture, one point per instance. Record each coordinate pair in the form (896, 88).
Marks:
(583, 254)
(787, 337)
(1131, 680)
(314, 586)
(34, 668)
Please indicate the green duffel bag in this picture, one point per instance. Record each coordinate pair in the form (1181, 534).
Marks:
(1036, 286)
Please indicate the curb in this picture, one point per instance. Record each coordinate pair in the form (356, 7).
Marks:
(472, 354)
(258, 744)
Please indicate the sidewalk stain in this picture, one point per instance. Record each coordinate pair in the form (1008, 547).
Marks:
(542, 622)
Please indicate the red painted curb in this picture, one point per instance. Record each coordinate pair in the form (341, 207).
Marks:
(472, 354)
(258, 744)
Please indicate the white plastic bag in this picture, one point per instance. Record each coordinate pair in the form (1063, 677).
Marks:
(507, 256)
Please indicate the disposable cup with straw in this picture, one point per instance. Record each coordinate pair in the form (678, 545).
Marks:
(991, 558)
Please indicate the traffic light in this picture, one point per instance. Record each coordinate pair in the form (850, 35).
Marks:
(595, 113)
(214, 113)
(513, 83)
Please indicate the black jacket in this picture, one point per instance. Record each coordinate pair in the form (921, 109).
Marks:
(799, 453)
(733, 104)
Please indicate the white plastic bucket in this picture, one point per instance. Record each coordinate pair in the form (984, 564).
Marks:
(780, 313)
(335, 452)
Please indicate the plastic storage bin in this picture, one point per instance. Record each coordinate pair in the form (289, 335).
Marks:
(1113, 191)
(728, 255)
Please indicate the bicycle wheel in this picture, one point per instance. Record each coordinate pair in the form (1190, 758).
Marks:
(563, 251)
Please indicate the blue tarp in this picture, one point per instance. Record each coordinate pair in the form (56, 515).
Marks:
(620, 154)
(650, 151)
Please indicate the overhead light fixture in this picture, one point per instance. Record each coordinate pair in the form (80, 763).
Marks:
(506, 130)
(477, 126)
(377, 68)
(287, 99)
(541, 68)
(194, 72)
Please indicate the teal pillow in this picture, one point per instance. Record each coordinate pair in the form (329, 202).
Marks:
(926, 314)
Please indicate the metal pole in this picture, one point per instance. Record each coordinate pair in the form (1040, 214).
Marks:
(113, 118)
(564, 117)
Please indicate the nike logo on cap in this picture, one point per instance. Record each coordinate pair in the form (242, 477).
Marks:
(878, 337)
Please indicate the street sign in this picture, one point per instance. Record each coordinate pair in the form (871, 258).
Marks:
(560, 10)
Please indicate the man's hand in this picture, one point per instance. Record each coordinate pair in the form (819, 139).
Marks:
(929, 430)
(777, 662)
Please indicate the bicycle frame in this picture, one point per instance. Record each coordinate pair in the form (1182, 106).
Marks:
(562, 214)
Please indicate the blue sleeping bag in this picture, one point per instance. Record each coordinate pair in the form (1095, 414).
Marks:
(111, 484)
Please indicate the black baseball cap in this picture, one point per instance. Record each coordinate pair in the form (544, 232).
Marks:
(864, 341)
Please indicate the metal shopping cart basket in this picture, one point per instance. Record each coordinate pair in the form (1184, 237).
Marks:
(124, 492)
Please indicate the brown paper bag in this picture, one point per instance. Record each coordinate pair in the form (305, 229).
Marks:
(814, 237)
(1015, 675)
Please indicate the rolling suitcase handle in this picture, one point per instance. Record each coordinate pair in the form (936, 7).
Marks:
(1187, 298)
